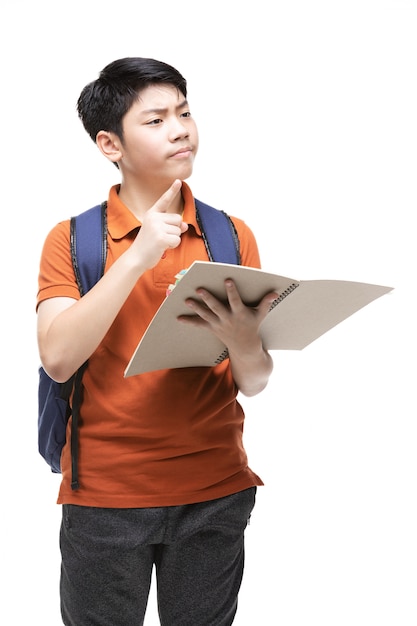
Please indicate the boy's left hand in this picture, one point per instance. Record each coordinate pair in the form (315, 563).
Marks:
(234, 323)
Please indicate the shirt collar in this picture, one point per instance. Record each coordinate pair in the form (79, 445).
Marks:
(121, 221)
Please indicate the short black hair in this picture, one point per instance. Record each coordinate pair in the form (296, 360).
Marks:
(104, 102)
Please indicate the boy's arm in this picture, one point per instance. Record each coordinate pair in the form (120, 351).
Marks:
(70, 330)
(237, 326)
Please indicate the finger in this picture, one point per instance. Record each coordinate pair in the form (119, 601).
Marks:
(192, 320)
(208, 308)
(267, 302)
(233, 301)
(233, 295)
(163, 204)
(209, 299)
(236, 302)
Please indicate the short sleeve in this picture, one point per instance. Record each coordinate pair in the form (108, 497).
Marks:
(56, 273)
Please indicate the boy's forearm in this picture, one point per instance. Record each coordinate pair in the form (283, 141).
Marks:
(69, 339)
(251, 370)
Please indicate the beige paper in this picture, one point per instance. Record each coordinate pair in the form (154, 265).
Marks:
(305, 311)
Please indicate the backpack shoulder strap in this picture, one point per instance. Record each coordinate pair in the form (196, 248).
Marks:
(88, 243)
(219, 234)
(88, 240)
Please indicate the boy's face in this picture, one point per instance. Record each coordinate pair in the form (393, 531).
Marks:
(160, 138)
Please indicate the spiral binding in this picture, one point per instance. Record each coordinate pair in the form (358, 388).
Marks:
(283, 295)
(222, 356)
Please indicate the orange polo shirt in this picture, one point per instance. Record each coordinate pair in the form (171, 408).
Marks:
(162, 438)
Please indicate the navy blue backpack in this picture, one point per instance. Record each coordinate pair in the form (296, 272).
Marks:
(88, 242)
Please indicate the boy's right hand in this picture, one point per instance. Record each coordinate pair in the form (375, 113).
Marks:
(161, 228)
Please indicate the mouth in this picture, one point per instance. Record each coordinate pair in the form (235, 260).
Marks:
(182, 153)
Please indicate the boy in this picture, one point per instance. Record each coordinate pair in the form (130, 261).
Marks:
(164, 478)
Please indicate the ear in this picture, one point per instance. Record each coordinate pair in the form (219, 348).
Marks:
(110, 145)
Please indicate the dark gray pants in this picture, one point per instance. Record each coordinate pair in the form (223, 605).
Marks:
(197, 549)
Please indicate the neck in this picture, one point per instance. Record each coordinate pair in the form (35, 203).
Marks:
(140, 200)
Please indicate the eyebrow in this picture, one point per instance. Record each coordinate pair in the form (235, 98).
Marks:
(164, 110)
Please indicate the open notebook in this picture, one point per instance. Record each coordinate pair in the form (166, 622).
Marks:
(304, 311)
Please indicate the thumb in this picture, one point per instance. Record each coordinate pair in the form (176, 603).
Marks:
(163, 203)
(267, 302)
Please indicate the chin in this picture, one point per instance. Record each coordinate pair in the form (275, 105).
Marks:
(184, 172)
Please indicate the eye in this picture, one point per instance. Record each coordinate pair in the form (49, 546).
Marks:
(186, 114)
(154, 122)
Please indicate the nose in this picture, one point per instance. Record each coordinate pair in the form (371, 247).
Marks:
(178, 130)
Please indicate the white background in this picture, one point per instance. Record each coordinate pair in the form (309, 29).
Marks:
(308, 130)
